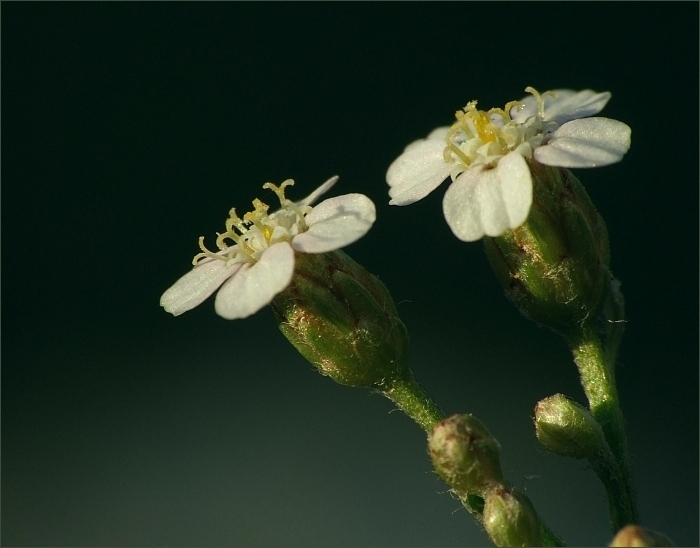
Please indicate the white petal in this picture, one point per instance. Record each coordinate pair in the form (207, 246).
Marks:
(194, 287)
(579, 105)
(489, 201)
(439, 133)
(325, 187)
(417, 172)
(591, 142)
(335, 223)
(529, 103)
(256, 285)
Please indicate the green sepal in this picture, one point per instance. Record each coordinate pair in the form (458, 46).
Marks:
(343, 320)
(510, 519)
(465, 454)
(568, 429)
(555, 267)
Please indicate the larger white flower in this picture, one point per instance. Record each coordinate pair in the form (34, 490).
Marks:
(260, 264)
(486, 155)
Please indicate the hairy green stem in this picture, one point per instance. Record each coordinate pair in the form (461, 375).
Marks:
(621, 506)
(598, 380)
(410, 398)
(413, 400)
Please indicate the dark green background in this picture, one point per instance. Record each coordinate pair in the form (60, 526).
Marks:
(130, 129)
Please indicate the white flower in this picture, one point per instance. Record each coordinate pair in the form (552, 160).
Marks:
(260, 264)
(485, 154)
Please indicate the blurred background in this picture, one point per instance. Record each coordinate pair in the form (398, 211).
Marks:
(129, 130)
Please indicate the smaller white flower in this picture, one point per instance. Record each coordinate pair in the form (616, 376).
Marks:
(260, 264)
(486, 155)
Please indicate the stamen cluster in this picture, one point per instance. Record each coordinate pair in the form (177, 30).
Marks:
(482, 138)
(257, 230)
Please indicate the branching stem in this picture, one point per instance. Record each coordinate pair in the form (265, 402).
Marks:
(598, 380)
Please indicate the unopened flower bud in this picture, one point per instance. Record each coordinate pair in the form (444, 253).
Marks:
(566, 428)
(343, 320)
(465, 454)
(555, 266)
(634, 535)
(510, 519)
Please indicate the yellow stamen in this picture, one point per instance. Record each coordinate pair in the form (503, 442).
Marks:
(538, 98)
(484, 126)
(206, 253)
(279, 190)
(249, 243)
(509, 106)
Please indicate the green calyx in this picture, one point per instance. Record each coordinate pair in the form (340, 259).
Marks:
(465, 454)
(555, 266)
(343, 320)
(568, 429)
(510, 519)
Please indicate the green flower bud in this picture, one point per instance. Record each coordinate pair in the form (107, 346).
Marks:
(566, 428)
(465, 454)
(555, 266)
(511, 520)
(634, 535)
(343, 320)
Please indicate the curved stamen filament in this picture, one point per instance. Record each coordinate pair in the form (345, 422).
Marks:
(206, 254)
(253, 234)
(479, 137)
(454, 149)
(538, 98)
(509, 106)
(279, 190)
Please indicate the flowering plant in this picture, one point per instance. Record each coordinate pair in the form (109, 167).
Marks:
(547, 245)
(486, 154)
(260, 264)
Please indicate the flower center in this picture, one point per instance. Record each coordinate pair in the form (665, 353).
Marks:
(480, 137)
(257, 230)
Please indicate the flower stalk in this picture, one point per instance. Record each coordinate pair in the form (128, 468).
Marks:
(598, 381)
(568, 429)
(467, 458)
(547, 245)
(555, 268)
(410, 398)
(343, 320)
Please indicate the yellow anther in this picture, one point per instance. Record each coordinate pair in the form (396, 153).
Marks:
(260, 207)
(484, 127)
(260, 211)
(249, 240)
(267, 232)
